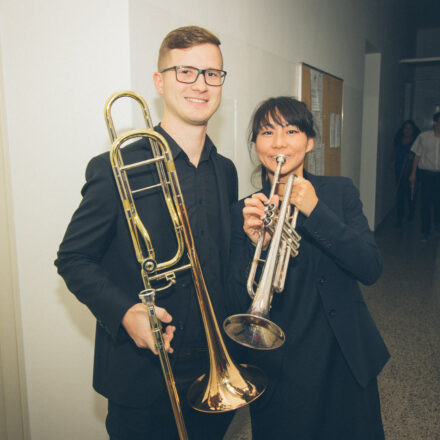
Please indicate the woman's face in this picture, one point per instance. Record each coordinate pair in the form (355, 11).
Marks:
(408, 130)
(274, 139)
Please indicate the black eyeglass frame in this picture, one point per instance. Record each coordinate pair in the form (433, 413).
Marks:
(223, 74)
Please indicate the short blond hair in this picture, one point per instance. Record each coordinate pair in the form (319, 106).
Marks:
(183, 38)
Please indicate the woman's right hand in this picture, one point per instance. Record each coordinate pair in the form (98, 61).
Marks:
(253, 213)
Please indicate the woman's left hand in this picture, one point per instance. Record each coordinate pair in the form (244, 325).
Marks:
(303, 196)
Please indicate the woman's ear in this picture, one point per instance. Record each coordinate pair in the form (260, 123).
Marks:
(310, 144)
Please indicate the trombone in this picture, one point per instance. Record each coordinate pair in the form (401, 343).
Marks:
(254, 329)
(227, 386)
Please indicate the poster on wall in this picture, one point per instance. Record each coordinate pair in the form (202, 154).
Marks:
(316, 161)
(335, 130)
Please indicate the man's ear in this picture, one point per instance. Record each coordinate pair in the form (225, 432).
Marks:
(158, 82)
(310, 144)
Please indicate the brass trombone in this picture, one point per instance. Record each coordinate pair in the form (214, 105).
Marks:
(227, 386)
(254, 329)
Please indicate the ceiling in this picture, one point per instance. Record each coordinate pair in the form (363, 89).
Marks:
(424, 13)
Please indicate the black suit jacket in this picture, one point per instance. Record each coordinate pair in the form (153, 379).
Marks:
(347, 253)
(97, 261)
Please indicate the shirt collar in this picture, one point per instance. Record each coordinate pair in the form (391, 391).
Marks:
(176, 150)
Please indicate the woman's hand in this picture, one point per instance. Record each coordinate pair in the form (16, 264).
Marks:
(303, 196)
(253, 212)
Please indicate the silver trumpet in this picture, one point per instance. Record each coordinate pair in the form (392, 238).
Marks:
(254, 329)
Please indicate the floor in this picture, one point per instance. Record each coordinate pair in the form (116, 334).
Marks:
(405, 304)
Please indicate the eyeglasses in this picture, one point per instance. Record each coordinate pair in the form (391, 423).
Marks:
(189, 75)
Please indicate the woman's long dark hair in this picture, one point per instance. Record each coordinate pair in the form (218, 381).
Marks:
(399, 134)
(281, 110)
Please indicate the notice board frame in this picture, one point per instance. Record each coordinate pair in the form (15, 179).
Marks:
(332, 103)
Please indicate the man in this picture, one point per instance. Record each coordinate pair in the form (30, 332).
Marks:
(427, 158)
(97, 260)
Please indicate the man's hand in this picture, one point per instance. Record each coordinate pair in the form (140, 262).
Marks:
(137, 324)
(253, 213)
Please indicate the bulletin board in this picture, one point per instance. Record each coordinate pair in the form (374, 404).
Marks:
(322, 93)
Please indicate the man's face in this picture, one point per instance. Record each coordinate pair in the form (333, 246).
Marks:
(195, 103)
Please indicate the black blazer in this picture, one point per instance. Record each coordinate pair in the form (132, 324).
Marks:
(97, 261)
(347, 254)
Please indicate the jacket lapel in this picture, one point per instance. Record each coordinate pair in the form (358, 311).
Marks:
(223, 198)
(319, 185)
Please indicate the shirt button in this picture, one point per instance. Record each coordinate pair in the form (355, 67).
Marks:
(200, 201)
(322, 281)
(180, 325)
(332, 313)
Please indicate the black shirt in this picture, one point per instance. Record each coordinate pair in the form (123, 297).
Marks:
(200, 192)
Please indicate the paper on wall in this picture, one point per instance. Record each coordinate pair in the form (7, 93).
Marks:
(335, 130)
(316, 90)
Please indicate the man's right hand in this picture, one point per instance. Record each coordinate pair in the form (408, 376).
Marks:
(137, 324)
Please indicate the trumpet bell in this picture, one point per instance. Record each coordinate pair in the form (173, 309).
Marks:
(227, 389)
(254, 331)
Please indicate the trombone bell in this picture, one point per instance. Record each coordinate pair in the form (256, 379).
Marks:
(227, 389)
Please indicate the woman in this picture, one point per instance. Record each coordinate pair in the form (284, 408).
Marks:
(403, 160)
(322, 381)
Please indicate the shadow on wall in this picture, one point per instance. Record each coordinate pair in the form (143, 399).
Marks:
(83, 324)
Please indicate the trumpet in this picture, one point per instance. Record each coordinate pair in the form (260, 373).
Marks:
(254, 329)
(227, 386)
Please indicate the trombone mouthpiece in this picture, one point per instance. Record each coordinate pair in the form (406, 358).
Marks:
(280, 158)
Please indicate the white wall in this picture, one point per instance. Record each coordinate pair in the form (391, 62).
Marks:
(61, 60)
(370, 130)
(13, 401)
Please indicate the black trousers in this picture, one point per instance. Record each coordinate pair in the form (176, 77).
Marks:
(157, 421)
(430, 199)
(405, 199)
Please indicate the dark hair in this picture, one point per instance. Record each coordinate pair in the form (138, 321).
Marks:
(281, 110)
(436, 116)
(183, 38)
(399, 134)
